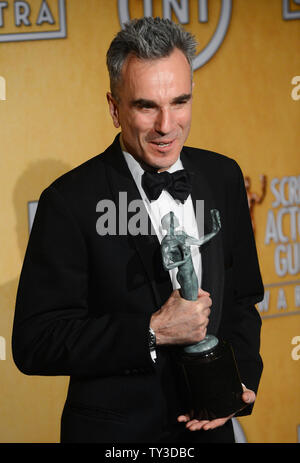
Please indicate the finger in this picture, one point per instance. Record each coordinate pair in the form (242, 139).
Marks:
(216, 423)
(206, 312)
(183, 418)
(196, 422)
(196, 425)
(204, 302)
(205, 324)
(202, 292)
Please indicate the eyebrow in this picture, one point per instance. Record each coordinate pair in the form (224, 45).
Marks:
(182, 98)
(152, 104)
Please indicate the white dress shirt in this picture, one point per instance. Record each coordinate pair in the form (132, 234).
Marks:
(162, 206)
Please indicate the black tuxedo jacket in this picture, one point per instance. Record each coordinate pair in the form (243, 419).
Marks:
(84, 301)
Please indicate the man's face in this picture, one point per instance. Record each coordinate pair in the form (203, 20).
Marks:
(154, 108)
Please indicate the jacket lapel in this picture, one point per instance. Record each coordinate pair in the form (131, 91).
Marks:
(212, 251)
(146, 245)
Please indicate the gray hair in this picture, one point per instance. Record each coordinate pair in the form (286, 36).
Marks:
(147, 38)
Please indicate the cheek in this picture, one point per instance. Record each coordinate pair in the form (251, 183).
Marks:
(138, 123)
(142, 126)
(185, 121)
(183, 117)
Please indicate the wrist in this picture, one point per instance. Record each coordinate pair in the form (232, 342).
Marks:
(154, 326)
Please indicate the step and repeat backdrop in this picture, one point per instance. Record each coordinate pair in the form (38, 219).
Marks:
(54, 116)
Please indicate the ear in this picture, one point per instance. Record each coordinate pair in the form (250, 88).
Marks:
(113, 109)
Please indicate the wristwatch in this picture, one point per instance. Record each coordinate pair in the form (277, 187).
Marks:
(151, 339)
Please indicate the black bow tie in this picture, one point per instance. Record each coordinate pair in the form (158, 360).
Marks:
(178, 184)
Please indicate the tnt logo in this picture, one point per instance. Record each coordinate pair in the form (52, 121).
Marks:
(32, 20)
(181, 10)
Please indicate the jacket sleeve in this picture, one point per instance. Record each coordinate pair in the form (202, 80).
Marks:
(53, 333)
(242, 324)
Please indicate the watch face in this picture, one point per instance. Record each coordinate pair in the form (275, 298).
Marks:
(152, 338)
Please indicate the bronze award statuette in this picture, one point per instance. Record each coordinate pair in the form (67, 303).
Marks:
(209, 367)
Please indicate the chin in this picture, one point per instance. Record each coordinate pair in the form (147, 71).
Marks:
(162, 160)
(158, 164)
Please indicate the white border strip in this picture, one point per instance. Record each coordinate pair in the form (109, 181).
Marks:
(24, 36)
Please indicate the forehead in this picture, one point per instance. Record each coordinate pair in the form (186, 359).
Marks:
(150, 78)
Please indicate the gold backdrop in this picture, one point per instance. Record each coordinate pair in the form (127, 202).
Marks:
(54, 116)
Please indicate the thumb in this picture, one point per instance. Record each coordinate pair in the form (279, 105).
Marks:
(249, 396)
(201, 292)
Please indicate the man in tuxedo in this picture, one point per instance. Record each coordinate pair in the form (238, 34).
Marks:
(99, 307)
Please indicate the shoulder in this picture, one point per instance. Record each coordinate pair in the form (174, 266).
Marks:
(212, 164)
(88, 176)
(201, 157)
(80, 174)
(81, 188)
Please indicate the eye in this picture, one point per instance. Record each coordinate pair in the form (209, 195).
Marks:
(146, 107)
(181, 102)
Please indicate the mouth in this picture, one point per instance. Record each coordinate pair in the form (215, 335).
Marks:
(163, 146)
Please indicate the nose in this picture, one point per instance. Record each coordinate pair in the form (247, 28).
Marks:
(164, 121)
